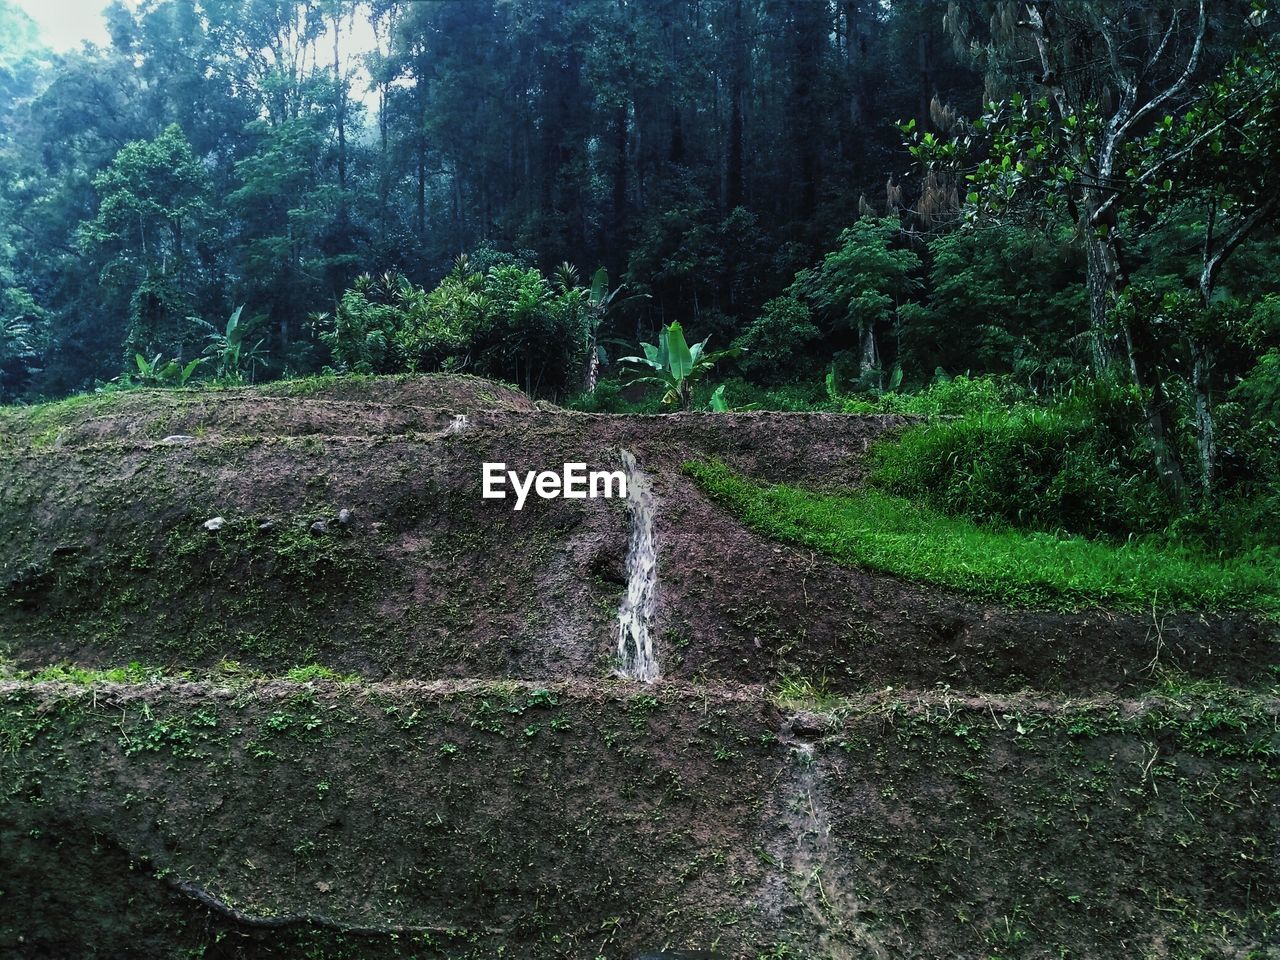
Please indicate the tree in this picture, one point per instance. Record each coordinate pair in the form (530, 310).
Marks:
(154, 198)
(860, 286)
(1100, 72)
(1104, 75)
(1218, 158)
(147, 236)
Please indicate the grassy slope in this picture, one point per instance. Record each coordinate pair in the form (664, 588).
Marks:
(881, 532)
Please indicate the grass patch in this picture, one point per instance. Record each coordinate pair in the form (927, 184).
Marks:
(876, 531)
(801, 693)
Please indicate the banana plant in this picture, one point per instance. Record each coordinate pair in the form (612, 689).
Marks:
(169, 373)
(718, 404)
(674, 365)
(227, 352)
(597, 301)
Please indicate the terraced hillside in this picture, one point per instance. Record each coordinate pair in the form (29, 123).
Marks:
(372, 714)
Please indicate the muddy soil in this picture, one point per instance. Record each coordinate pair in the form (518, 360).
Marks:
(104, 558)
(482, 819)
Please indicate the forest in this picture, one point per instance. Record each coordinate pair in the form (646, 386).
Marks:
(854, 199)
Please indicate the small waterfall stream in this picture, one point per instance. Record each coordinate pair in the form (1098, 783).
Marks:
(635, 645)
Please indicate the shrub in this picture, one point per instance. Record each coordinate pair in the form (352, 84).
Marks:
(508, 324)
(1080, 465)
(945, 397)
(777, 339)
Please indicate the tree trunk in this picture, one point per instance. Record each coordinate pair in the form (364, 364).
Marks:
(869, 359)
(733, 187)
(924, 63)
(1155, 402)
(422, 184)
(1202, 363)
(341, 104)
(621, 145)
(593, 361)
(1102, 270)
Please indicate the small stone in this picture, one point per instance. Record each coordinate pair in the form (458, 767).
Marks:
(214, 525)
(320, 528)
(180, 438)
(265, 525)
(810, 726)
(344, 517)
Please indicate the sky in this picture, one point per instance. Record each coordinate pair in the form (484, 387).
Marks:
(65, 23)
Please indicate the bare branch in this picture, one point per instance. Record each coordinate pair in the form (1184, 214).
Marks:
(1036, 22)
(1164, 41)
(1256, 217)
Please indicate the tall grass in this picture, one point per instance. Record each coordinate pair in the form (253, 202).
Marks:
(1081, 465)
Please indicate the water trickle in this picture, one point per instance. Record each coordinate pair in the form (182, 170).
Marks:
(635, 645)
(458, 424)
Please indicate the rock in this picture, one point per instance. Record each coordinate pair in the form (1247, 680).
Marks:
(344, 517)
(179, 438)
(265, 525)
(214, 525)
(66, 549)
(320, 528)
(810, 726)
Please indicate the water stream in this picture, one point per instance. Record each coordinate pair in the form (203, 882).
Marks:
(635, 644)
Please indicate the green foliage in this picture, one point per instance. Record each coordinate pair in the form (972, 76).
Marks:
(536, 337)
(160, 321)
(22, 325)
(739, 394)
(1009, 566)
(1077, 465)
(675, 366)
(860, 285)
(1259, 391)
(441, 326)
(509, 324)
(776, 341)
(154, 200)
(157, 372)
(227, 352)
(1000, 299)
(946, 396)
(362, 333)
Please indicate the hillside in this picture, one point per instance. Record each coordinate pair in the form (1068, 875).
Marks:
(373, 714)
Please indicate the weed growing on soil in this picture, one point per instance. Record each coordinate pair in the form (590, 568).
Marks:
(879, 532)
(801, 693)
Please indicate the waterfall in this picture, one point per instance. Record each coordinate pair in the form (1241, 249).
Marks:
(459, 424)
(635, 645)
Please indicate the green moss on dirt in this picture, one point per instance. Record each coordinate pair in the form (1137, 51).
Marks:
(693, 817)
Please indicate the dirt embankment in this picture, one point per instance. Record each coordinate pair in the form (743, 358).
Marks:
(482, 786)
(582, 820)
(104, 557)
